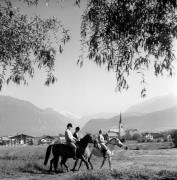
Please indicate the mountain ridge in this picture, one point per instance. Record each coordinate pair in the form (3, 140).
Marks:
(138, 117)
(19, 116)
(154, 104)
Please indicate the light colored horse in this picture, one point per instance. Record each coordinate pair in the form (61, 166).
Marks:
(92, 150)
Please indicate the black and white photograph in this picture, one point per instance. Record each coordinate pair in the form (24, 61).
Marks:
(88, 89)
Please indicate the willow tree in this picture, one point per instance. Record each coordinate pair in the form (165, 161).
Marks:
(125, 35)
(130, 36)
(28, 43)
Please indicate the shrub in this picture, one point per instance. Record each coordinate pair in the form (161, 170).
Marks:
(137, 148)
(158, 140)
(141, 140)
(174, 137)
(136, 136)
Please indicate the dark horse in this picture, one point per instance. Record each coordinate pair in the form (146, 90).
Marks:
(65, 152)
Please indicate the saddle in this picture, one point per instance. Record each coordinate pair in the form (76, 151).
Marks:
(70, 148)
(98, 146)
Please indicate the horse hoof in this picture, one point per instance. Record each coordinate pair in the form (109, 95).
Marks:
(72, 170)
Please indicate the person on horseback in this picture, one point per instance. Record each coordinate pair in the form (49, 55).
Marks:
(70, 140)
(101, 141)
(76, 133)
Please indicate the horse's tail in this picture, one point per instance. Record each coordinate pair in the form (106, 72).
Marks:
(47, 154)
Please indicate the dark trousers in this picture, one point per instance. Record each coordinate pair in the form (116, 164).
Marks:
(73, 146)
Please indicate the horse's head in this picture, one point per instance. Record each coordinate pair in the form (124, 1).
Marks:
(87, 138)
(120, 144)
(117, 142)
(90, 138)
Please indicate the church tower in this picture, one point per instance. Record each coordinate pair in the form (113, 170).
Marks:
(121, 130)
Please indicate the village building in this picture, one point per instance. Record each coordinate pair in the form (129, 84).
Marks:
(148, 137)
(113, 133)
(117, 132)
(5, 140)
(21, 139)
(46, 139)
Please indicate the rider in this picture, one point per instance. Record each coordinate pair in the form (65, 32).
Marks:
(76, 133)
(102, 143)
(70, 140)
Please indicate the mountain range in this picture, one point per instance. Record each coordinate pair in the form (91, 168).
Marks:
(19, 116)
(154, 104)
(156, 114)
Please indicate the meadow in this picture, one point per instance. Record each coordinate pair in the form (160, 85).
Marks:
(141, 161)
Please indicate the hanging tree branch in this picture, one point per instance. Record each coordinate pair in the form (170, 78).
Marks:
(26, 43)
(130, 35)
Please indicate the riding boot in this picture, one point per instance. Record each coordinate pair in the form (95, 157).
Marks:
(104, 153)
(74, 155)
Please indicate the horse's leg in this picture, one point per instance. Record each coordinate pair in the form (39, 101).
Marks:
(55, 164)
(61, 163)
(75, 164)
(90, 161)
(103, 162)
(66, 167)
(64, 162)
(109, 160)
(51, 163)
(80, 165)
(85, 161)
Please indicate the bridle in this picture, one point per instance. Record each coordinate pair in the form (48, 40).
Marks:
(109, 142)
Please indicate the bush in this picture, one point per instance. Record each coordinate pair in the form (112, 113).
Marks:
(174, 138)
(136, 136)
(158, 140)
(141, 140)
(137, 148)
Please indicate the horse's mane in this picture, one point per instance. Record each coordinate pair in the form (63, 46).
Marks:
(84, 139)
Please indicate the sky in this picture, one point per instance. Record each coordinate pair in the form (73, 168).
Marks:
(88, 90)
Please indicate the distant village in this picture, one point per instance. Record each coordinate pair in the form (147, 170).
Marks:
(24, 139)
(131, 134)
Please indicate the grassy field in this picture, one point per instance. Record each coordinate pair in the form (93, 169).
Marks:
(141, 161)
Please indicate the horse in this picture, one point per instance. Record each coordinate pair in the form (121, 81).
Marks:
(66, 152)
(93, 150)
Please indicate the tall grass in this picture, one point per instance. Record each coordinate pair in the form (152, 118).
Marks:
(141, 174)
(28, 159)
(132, 164)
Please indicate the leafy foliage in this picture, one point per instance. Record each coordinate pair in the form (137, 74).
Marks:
(27, 44)
(130, 35)
(174, 137)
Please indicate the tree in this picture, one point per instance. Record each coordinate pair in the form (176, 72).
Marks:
(27, 43)
(136, 136)
(125, 35)
(130, 36)
(174, 137)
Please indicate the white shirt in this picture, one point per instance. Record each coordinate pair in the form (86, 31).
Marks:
(101, 138)
(68, 136)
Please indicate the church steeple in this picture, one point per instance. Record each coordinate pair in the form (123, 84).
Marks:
(120, 126)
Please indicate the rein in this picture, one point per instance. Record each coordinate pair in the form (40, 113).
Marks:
(110, 143)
